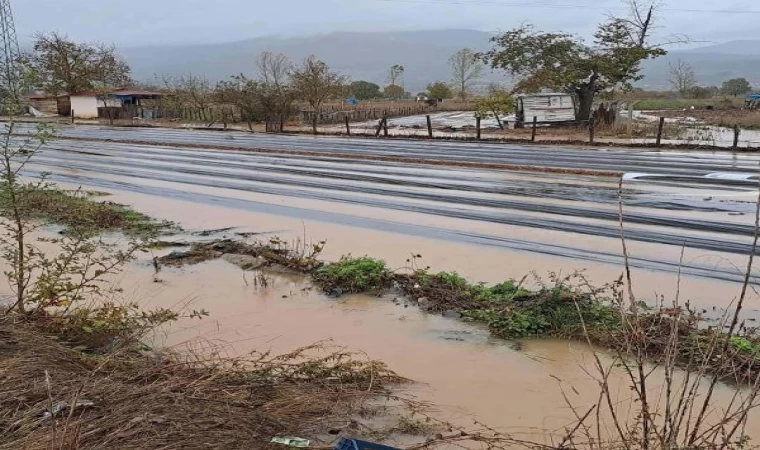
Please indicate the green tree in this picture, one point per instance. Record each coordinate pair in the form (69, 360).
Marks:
(439, 89)
(564, 62)
(364, 90)
(466, 69)
(394, 91)
(496, 103)
(736, 87)
(60, 65)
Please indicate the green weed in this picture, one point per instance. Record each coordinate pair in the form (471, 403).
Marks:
(745, 345)
(354, 275)
(76, 210)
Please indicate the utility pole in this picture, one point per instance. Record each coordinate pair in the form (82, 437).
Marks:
(10, 83)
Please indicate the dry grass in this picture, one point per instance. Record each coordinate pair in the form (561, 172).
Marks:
(166, 400)
(744, 118)
(446, 105)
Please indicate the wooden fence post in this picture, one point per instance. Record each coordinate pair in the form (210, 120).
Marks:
(737, 131)
(348, 127)
(477, 126)
(533, 131)
(659, 131)
(430, 127)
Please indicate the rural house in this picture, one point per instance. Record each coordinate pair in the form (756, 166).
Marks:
(92, 104)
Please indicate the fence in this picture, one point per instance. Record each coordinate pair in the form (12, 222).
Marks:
(651, 132)
(207, 115)
(363, 115)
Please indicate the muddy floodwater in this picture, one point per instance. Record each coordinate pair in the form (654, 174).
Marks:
(469, 376)
(684, 213)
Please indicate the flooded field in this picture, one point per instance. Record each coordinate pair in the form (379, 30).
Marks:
(487, 225)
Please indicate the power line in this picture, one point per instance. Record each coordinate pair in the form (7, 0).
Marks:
(563, 6)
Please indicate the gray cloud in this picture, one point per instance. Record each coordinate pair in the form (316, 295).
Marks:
(146, 22)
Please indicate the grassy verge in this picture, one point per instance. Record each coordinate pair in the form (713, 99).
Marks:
(79, 210)
(744, 119)
(686, 103)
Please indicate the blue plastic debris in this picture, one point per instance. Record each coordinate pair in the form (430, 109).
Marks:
(356, 444)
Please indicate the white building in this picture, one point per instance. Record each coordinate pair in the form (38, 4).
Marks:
(84, 105)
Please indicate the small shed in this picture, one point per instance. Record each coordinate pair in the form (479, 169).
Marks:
(549, 108)
(85, 104)
(43, 102)
(93, 104)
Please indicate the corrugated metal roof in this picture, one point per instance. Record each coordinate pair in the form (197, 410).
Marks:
(135, 93)
(40, 96)
(543, 94)
(119, 93)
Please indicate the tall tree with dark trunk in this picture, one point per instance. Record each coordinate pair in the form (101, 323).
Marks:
(565, 62)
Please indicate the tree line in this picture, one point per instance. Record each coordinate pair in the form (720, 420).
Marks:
(533, 59)
(683, 79)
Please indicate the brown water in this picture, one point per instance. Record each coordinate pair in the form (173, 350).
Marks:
(478, 263)
(458, 367)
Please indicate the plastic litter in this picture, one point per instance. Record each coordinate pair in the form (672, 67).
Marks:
(59, 407)
(291, 441)
(356, 444)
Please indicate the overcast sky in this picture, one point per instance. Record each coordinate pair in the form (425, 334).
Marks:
(147, 22)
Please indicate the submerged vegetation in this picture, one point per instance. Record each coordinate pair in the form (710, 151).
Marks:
(351, 275)
(76, 209)
(565, 307)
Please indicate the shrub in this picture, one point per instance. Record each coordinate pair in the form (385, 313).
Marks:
(354, 275)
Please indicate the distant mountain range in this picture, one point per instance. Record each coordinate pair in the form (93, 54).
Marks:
(424, 54)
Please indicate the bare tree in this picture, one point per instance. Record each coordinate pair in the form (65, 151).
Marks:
(682, 77)
(274, 69)
(466, 68)
(190, 91)
(315, 83)
(396, 75)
